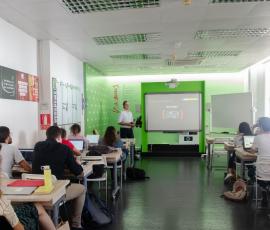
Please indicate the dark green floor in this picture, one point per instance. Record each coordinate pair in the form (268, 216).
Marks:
(182, 195)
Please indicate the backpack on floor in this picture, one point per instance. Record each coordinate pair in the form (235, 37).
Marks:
(136, 174)
(95, 213)
(239, 192)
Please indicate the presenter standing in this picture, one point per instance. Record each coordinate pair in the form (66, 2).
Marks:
(126, 122)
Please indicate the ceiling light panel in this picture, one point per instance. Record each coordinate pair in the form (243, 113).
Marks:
(127, 38)
(237, 1)
(183, 62)
(214, 53)
(231, 33)
(89, 6)
(136, 57)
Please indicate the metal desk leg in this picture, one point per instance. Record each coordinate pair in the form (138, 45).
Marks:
(55, 214)
(115, 187)
(208, 155)
(243, 169)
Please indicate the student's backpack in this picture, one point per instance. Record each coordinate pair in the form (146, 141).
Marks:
(95, 213)
(136, 174)
(239, 192)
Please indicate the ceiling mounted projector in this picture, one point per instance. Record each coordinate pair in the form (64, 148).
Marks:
(172, 84)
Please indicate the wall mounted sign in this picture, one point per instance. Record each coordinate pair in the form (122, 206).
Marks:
(45, 121)
(16, 85)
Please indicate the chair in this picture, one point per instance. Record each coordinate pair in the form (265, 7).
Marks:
(103, 177)
(120, 167)
(262, 174)
(218, 150)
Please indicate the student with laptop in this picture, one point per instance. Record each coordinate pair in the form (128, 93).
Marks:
(10, 154)
(24, 216)
(261, 146)
(68, 143)
(243, 130)
(75, 134)
(58, 156)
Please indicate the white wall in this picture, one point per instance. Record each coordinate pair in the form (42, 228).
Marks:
(19, 51)
(55, 62)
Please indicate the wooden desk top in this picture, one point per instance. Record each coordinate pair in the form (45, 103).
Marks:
(244, 155)
(229, 146)
(58, 192)
(114, 156)
(210, 140)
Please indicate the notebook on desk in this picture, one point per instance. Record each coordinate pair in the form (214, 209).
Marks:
(17, 190)
(248, 142)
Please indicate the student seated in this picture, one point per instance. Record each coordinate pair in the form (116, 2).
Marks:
(75, 133)
(243, 130)
(113, 140)
(261, 146)
(58, 156)
(10, 153)
(68, 143)
(24, 216)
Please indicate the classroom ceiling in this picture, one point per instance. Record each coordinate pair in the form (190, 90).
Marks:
(129, 37)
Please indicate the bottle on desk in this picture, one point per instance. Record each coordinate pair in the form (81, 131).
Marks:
(48, 185)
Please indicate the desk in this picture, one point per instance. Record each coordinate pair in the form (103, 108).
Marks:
(54, 199)
(113, 158)
(210, 141)
(244, 157)
(130, 144)
(229, 146)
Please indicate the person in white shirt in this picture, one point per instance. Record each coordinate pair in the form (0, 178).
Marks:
(126, 122)
(10, 154)
(261, 145)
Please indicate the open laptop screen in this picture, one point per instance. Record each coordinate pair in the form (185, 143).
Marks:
(248, 141)
(93, 139)
(78, 144)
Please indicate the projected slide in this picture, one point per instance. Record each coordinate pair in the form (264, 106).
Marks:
(173, 112)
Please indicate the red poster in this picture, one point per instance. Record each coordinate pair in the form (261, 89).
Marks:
(33, 88)
(22, 86)
(45, 121)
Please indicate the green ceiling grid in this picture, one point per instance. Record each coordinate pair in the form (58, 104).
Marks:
(136, 56)
(89, 6)
(214, 53)
(127, 38)
(231, 33)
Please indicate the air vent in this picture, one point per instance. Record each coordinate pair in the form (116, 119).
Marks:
(236, 1)
(89, 6)
(231, 33)
(136, 57)
(214, 53)
(127, 38)
(183, 62)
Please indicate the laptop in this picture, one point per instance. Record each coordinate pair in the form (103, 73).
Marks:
(79, 144)
(27, 154)
(248, 142)
(7, 190)
(93, 139)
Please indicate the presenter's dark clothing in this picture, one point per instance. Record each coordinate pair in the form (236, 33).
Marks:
(57, 156)
(126, 133)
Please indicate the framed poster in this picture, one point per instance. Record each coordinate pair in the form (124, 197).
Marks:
(7, 83)
(22, 86)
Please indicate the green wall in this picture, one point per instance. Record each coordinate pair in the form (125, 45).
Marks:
(99, 94)
(171, 138)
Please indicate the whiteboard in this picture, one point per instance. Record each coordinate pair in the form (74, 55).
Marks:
(229, 110)
(173, 112)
